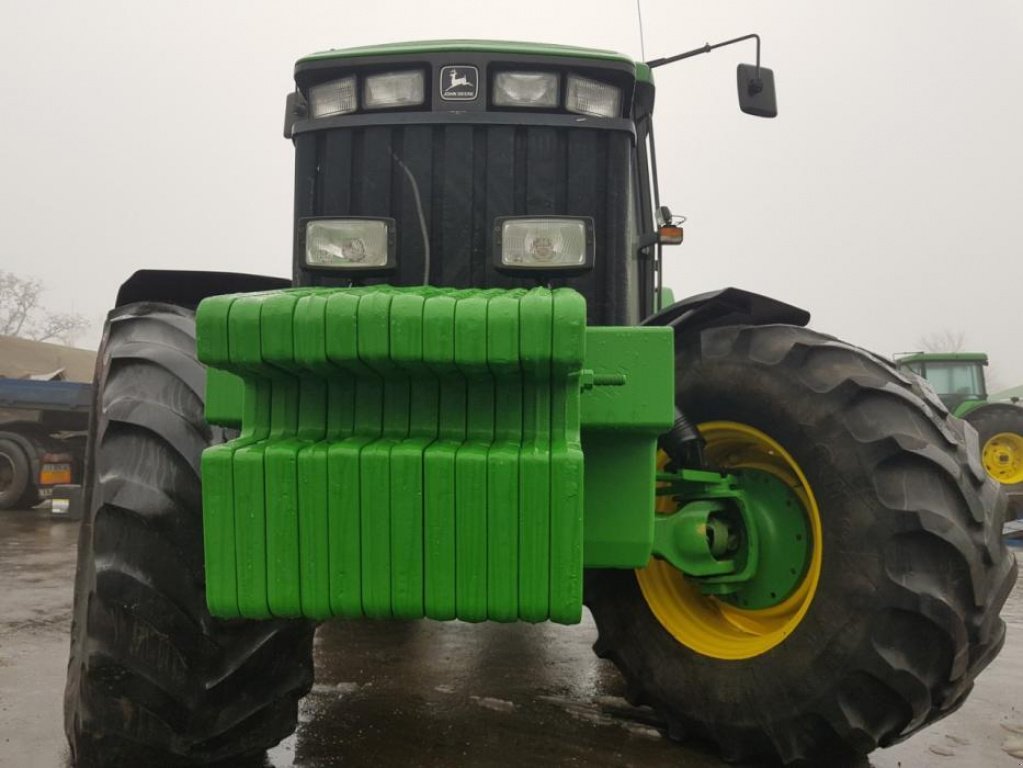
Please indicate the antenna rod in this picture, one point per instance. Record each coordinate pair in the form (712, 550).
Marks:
(642, 46)
(707, 48)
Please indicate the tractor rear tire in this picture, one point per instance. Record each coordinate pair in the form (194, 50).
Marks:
(1002, 423)
(912, 570)
(16, 488)
(153, 679)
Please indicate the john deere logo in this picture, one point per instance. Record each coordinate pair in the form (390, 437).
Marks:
(459, 83)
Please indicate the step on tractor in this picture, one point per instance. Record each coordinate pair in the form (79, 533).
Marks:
(958, 378)
(472, 402)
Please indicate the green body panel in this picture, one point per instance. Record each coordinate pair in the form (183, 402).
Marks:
(410, 452)
(968, 405)
(620, 429)
(422, 47)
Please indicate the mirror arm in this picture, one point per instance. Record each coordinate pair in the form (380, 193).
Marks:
(644, 241)
(707, 48)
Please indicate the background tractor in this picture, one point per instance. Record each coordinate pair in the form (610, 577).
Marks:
(470, 402)
(958, 378)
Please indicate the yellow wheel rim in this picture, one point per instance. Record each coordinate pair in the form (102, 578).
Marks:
(1003, 458)
(703, 623)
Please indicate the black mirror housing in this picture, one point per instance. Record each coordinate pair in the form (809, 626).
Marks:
(756, 93)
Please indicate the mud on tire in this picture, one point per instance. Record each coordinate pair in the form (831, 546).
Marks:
(913, 571)
(153, 679)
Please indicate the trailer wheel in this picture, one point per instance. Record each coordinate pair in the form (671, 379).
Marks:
(17, 490)
(153, 679)
(896, 609)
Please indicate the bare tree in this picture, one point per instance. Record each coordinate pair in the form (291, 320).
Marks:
(19, 299)
(22, 315)
(943, 341)
(64, 327)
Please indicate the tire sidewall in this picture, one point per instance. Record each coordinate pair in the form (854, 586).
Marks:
(22, 472)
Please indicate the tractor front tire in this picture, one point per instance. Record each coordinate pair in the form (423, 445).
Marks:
(153, 679)
(897, 612)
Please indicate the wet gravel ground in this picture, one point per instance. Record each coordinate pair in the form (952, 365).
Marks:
(437, 694)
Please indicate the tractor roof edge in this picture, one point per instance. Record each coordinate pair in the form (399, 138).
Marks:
(937, 357)
(642, 71)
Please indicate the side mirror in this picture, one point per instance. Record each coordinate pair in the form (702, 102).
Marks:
(756, 93)
(295, 109)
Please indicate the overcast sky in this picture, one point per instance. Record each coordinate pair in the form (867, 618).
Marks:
(885, 198)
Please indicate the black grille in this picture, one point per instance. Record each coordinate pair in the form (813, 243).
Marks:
(468, 175)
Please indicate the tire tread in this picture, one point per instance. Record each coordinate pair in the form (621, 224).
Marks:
(153, 678)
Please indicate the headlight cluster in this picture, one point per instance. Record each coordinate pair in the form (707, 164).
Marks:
(522, 245)
(542, 90)
(530, 90)
(387, 90)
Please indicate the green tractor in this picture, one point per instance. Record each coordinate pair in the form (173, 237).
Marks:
(471, 402)
(958, 378)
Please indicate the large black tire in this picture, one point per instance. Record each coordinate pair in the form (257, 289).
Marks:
(153, 679)
(17, 490)
(913, 570)
(999, 419)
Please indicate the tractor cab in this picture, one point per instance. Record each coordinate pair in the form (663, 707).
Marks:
(477, 165)
(957, 377)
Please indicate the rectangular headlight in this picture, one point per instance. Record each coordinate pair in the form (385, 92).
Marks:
(363, 245)
(393, 89)
(526, 89)
(334, 98)
(543, 244)
(592, 97)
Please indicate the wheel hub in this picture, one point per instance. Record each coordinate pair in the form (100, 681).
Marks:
(720, 625)
(1003, 457)
(742, 536)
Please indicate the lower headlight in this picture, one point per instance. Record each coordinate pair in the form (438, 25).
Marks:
(543, 244)
(354, 244)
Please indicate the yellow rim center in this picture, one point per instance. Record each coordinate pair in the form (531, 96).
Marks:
(1003, 458)
(702, 622)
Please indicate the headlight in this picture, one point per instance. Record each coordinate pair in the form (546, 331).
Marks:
(334, 98)
(393, 89)
(526, 89)
(592, 97)
(543, 244)
(354, 244)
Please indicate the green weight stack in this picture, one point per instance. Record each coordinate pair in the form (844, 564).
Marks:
(404, 452)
